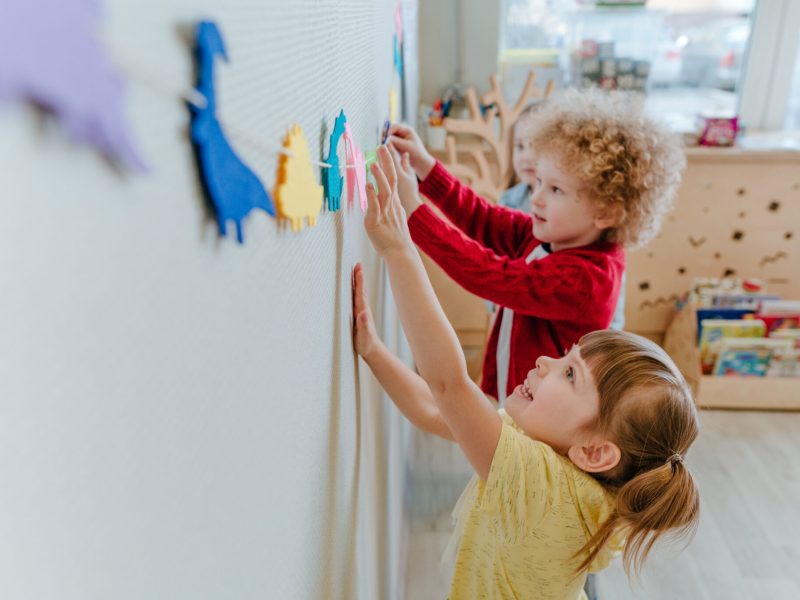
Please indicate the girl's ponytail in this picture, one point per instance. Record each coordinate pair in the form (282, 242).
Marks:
(657, 500)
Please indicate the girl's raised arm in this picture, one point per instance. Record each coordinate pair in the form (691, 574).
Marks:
(409, 392)
(469, 415)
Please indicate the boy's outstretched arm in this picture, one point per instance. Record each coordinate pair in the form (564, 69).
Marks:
(469, 415)
(493, 227)
(408, 391)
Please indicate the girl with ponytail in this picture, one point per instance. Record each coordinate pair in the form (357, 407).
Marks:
(646, 408)
(585, 459)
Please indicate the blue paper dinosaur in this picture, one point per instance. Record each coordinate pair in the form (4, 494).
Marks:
(232, 187)
(332, 180)
(398, 55)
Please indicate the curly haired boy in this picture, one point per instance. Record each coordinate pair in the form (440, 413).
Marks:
(606, 174)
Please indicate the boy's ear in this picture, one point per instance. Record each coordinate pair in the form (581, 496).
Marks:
(607, 217)
(595, 456)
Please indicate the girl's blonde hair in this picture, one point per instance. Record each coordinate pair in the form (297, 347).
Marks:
(647, 409)
(627, 163)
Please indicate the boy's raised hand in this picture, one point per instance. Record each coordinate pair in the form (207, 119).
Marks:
(365, 337)
(406, 141)
(385, 221)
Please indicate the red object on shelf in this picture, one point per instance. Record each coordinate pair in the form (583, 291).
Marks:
(719, 131)
(752, 285)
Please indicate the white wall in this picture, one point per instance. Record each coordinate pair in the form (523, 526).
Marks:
(181, 416)
(458, 43)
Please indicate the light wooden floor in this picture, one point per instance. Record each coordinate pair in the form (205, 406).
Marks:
(747, 465)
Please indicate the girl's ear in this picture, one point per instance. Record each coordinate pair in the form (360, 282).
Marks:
(596, 456)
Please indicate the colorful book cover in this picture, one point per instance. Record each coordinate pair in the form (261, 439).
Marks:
(779, 322)
(714, 330)
(747, 357)
(749, 362)
(719, 312)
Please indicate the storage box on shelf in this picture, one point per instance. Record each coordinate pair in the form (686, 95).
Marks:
(611, 47)
(759, 393)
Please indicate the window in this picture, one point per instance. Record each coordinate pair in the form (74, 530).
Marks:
(687, 55)
(699, 63)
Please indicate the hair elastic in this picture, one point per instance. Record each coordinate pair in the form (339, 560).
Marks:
(675, 458)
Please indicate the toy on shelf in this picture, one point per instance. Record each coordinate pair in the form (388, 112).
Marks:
(717, 130)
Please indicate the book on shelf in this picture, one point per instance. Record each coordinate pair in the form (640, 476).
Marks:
(706, 313)
(715, 330)
(779, 307)
(749, 357)
(787, 334)
(742, 300)
(779, 322)
(785, 362)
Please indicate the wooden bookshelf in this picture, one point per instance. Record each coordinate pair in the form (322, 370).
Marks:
(748, 393)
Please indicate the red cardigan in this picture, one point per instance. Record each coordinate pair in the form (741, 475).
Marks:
(555, 299)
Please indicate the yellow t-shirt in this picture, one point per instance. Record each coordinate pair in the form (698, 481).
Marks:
(521, 527)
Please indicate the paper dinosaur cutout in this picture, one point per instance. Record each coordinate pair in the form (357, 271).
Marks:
(50, 56)
(398, 22)
(370, 158)
(393, 105)
(231, 186)
(398, 56)
(356, 170)
(332, 178)
(397, 40)
(297, 193)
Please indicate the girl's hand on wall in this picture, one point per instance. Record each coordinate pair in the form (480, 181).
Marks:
(407, 185)
(406, 141)
(385, 221)
(365, 337)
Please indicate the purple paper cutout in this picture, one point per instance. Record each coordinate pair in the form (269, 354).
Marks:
(230, 184)
(50, 55)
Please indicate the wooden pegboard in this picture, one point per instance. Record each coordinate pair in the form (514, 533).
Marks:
(737, 213)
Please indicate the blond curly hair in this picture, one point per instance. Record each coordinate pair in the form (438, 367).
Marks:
(626, 162)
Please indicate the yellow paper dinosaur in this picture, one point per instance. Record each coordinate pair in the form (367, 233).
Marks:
(393, 105)
(297, 193)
